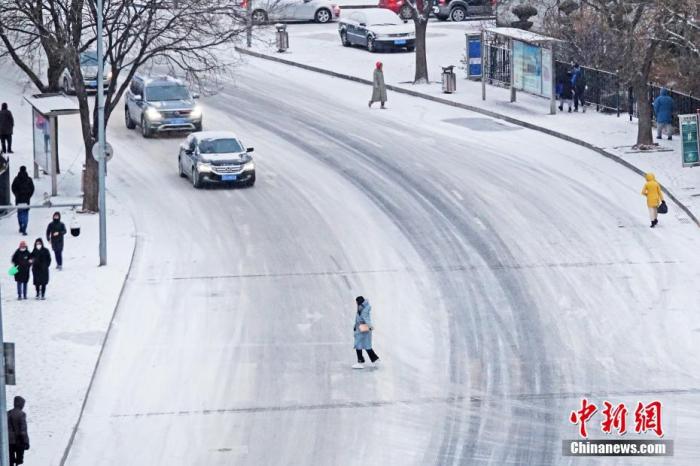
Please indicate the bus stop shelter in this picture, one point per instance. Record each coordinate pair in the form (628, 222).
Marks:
(46, 108)
(521, 60)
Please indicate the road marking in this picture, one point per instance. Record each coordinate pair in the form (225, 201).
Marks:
(457, 195)
(368, 141)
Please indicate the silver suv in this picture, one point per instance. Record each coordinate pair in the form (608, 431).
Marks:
(158, 104)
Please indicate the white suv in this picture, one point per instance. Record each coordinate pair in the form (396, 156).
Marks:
(320, 11)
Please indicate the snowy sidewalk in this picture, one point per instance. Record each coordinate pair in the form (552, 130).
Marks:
(57, 341)
(319, 46)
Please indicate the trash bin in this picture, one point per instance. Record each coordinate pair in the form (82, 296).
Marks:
(449, 79)
(282, 37)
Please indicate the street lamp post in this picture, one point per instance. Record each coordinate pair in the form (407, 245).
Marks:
(101, 135)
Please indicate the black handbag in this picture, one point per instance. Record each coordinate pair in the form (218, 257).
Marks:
(663, 208)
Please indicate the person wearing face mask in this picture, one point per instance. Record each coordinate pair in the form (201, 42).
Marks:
(41, 261)
(54, 234)
(21, 260)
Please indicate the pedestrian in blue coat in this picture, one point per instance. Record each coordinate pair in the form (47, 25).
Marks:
(663, 109)
(363, 333)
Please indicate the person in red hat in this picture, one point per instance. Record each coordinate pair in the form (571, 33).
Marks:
(20, 259)
(378, 86)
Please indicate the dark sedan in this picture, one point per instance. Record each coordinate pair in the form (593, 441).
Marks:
(376, 29)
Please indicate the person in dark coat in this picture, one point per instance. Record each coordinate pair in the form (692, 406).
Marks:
(23, 189)
(41, 261)
(363, 333)
(578, 84)
(21, 259)
(663, 108)
(7, 124)
(17, 432)
(54, 234)
(566, 91)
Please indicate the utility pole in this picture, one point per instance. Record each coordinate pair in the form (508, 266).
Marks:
(4, 448)
(249, 21)
(101, 134)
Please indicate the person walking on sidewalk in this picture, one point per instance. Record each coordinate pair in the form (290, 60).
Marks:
(378, 86)
(363, 333)
(652, 191)
(23, 189)
(54, 234)
(17, 432)
(7, 124)
(566, 91)
(41, 261)
(663, 109)
(578, 84)
(21, 259)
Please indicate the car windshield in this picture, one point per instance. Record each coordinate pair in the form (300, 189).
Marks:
(383, 18)
(219, 146)
(162, 93)
(88, 59)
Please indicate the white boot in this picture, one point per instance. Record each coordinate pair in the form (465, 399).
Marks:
(358, 365)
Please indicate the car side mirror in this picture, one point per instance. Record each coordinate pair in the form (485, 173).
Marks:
(405, 21)
(250, 149)
(363, 24)
(189, 151)
(195, 96)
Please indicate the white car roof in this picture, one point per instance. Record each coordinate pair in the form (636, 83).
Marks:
(201, 135)
(380, 15)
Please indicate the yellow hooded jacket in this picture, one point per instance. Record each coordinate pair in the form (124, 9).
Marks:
(652, 190)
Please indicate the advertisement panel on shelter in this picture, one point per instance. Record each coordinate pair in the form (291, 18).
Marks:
(527, 67)
(42, 140)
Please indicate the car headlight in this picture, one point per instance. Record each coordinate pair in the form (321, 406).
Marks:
(196, 112)
(153, 114)
(203, 166)
(109, 76)
(249, 166)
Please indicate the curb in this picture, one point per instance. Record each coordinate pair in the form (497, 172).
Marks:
(471, 108)
(71, 440)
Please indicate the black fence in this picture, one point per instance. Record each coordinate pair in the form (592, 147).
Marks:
(604, 90)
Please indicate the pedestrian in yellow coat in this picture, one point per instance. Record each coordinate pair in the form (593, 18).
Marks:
(652, 190)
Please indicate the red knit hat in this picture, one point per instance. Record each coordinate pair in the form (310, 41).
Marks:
(379, 65)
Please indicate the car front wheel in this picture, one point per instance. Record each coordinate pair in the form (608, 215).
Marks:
(130, 124)
(458, 13)
(344, 39)
(196, 182)
(251, 181)
(323, 15)
(145, 131)
(371, 45)
(259, 17)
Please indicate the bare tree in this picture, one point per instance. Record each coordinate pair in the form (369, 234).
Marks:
(421, 14)
(184, 37)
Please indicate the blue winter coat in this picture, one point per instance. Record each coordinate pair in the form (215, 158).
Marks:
(663, 108)
(363, 341)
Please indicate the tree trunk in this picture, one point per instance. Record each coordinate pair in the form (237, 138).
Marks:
(421, 55)
(644, 131)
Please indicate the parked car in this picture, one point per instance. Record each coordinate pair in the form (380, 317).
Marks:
(320, 11)
(158, 104)
(459, 10)
(216, 157)
(88, 68)
(400, 7)
(376, 28)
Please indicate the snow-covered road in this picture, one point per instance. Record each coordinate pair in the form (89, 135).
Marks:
(510, 274)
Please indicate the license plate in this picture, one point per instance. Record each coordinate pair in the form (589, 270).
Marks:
(177, 121)
(229, 177)
(400, 42)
